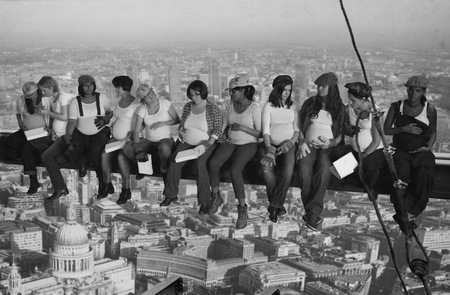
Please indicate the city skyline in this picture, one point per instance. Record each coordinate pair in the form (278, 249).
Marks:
(75, 22)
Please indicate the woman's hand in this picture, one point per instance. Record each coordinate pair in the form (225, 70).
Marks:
(285, 147)
(269, 157)
(157, 125)
(412, 128)
(321, 143)
(303, 151)
(100, 122)
(141, 156)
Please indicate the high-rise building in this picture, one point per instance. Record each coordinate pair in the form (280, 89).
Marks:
(301, 81)
(367, 244)
(214, 76)
(133, 73)
(174, 75)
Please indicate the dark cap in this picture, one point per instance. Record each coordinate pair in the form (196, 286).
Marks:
(358, 89)
(85, 79)
(417, 81)
(327, 79)
(282, 79)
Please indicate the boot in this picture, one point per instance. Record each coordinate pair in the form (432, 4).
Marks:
(125, 195)
(216, 202)
(241, 221)
(104, 190)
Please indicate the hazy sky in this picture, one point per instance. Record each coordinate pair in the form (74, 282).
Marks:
(52, 22)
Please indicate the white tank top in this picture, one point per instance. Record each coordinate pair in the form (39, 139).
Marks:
(422, 117)
(320, 126)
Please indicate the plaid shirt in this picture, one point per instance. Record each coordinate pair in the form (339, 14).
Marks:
(214, 118)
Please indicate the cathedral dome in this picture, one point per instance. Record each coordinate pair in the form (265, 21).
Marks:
(71, 234)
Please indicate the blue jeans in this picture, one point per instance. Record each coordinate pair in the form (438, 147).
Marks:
(174, 174)
(314, 173)
(278, 178)
(240, 155)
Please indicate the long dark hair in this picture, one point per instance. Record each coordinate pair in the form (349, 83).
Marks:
(31, 107)
(334, 105)
(277, 91)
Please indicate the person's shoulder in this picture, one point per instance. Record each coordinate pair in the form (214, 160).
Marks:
(164, 101)
(431, 108)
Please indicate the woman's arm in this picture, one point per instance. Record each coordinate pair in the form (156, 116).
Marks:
(20, 122)
(432, 117)
(63, 116)
(175, 119)
(137, 128)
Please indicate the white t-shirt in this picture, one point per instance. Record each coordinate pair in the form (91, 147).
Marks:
(85, 123)
(125, 120)
(196, 128)
(320, 126)
(279, 123)
(250, 118)
(64, 99)
(161, 116)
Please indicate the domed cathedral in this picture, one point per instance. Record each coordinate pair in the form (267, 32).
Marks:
(73, 270)
(71, 257)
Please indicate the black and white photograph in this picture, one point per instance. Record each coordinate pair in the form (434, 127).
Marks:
(224, 147)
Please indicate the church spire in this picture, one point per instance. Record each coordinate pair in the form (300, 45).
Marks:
(14, 280)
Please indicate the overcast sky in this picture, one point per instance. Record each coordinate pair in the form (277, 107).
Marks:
(72, 22)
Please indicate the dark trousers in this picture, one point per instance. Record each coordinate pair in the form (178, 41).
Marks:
(314, 173)
(416, 169)
(372, 164)
(278, 178)
(240, 155)
(174, 174)
(89, 148)
(14, 144)
(54, 157)
(32, 151)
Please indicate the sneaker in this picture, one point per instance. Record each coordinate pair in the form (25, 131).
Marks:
(124, 196)
(241, 221)
(204, 209)
(104, 190)
(312, 221)
(216, 202)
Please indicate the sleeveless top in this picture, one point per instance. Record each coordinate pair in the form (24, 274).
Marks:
(406, 141)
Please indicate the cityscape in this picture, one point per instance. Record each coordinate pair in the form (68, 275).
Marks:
(79, 244)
